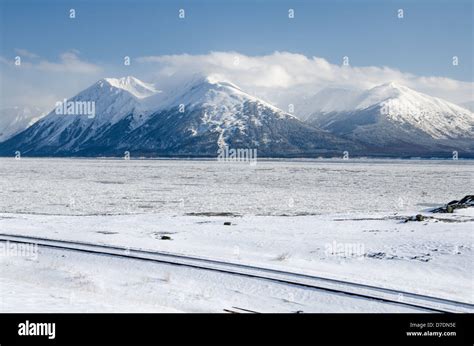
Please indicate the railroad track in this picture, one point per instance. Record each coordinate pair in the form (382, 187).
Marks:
(390, 296)
(237, 310)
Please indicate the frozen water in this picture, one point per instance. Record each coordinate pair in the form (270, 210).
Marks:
(96, 187)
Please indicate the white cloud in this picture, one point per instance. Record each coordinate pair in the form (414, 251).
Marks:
(69, 62)
(289, 73)
(281, 78)
(41, 83)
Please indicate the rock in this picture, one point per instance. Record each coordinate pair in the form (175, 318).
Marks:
(227, 223)
(419, 217)
(165, 237)
(466, 202)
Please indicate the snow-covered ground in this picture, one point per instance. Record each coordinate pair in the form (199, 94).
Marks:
(338, 219)
(74, 282)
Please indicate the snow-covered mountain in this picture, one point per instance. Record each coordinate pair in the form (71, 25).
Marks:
(216, 113)
(196, 118)
(203, 114)
(16, 119)
(131, 84)
(62, 133)
(394, 118)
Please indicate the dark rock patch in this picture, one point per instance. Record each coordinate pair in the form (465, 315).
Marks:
(466, 202)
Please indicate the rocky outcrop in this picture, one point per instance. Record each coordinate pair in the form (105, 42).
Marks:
(467, 201)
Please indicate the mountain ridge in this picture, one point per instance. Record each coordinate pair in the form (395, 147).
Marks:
(196, 120)
(203, 114)
(391, 115)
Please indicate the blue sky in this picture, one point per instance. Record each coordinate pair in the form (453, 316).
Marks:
(368, 31)
(61, 56)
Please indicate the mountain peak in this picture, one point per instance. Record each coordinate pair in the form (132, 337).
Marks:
(384, 92)
(133, 85)
(391, 84)
(393, 87)
(212, 90)
(392, 113)
(210, 81)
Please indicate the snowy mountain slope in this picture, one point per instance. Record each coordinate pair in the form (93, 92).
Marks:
(16, 119)
(133, 85)
(196, 118)
(394, 116)
(436, 117)
(204, 115)
(113, 99)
